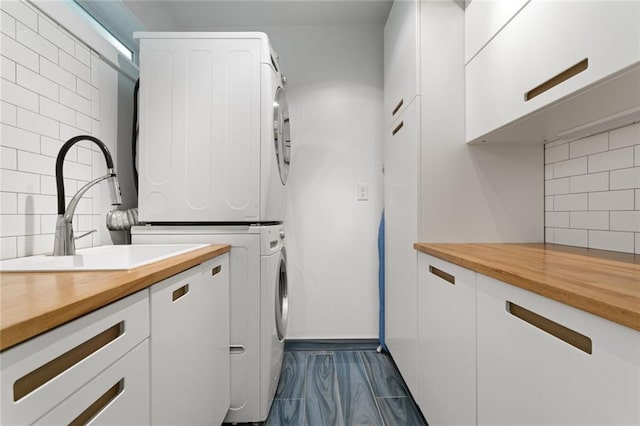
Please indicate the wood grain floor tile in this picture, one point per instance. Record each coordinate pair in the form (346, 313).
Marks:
(358, 405)
(291, 384)
(322, 399)
(382, 374)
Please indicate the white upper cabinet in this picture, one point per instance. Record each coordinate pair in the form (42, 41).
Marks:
(401, 53)
(536, 69)
(483, 19)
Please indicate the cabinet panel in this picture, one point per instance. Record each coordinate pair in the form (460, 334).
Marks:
(541, 42)
(446, 342)
(118, 396)
(401, 176)
(190, 345)
(401, 53)
(38, 374)
(527, 375)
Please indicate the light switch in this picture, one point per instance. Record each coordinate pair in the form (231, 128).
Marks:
(362, 190)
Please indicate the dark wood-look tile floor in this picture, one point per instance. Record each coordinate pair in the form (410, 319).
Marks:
(341, 387)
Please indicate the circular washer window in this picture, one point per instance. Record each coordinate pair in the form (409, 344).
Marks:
(282, 134)
(282, 298)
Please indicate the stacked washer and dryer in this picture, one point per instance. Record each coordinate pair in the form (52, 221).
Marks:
(214, 155)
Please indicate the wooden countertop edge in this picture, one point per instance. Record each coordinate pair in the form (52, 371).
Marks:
(612, 312)
(139, 279)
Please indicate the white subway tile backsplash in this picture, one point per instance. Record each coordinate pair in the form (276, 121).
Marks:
(19, 53)
(84, 222)
(8, 248)
(35, 244)
(556, 153)
(8, 158)
(95, 103)
(637, 199)
(570, 202)
(14, 137)
(556, 219)
(36, 83)
(8, 114)
(37, 43)
(52, 33)
(75, 67)
(636, 155)
(577, 166)
(611, 200)
(13, 225)
(95, 70)
(549, 235)
(56, 74)
(548, 171)
(589, 220)
(36, 163)
(611, 160)
(7, 69)
(625, 221)
(67, 132)
(556, 186)
(548, 203)
(48, 185)
(590, 145)
(95, 128)
(612, 240)
(83, 88)
(626, 178)
(38, 123)
(50, 146)
(571, 237)
(18, 95)
(83, 122)
(14, 181)
(21, 12)
(32, 204)
(82, 54)
(57, 111)
(84, 156)
(589, 183)
(48, 222)
(75, 101)
(77, 171)
(7, 24)
(637, 242)
(624, 136)
(8, 203)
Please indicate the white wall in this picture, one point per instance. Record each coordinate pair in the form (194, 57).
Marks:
(592, 191)
(51, 89)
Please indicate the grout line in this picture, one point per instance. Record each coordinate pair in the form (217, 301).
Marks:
(366, 375)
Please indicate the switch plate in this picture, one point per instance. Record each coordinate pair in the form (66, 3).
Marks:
(362, 191)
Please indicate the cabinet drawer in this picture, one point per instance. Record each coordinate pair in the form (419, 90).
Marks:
(117, 396)
(530, 64)
(38, 374)
(542, 362)
(401, 64)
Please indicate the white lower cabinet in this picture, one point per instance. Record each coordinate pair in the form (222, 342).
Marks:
(446, 342)
(190, 346)
(529, 376)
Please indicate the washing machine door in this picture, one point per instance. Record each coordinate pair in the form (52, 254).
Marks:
(282, 134)
(282, 298)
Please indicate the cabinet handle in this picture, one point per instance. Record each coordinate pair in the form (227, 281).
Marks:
(177, 294)
(397, 129)
(236, 349)
(216, 270)
(563, 333)
(397, 108)
(98, 404)
(442, 274)
(41, 375)
(560, 78)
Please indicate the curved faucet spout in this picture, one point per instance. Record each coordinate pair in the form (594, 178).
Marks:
(64, 241)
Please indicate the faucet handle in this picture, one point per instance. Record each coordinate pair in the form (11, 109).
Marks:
(85, 234)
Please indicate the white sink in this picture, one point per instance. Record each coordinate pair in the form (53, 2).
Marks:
(102, 258)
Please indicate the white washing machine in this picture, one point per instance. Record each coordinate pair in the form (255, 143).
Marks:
(214, 139)
(258, 306)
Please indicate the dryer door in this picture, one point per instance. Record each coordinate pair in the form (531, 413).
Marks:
(282, 134)
(282, 298)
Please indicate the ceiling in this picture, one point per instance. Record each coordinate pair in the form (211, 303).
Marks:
(123, 17)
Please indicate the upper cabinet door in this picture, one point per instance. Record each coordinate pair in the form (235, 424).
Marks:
(401, 64)
(483, 19)
(547, 54)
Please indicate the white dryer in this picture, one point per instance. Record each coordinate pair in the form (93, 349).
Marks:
(214, 140)
(258, 307)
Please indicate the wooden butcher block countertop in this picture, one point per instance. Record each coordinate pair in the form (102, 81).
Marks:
(600, 282)
(35, 302)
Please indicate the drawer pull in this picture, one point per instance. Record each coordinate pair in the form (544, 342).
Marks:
(98, 404)
(397, 108)
(177, 294)
(397, 129)
(41, 375)
(442, 274)
(560, 78)
(563, 333)
(236, 349)
(216, 270)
